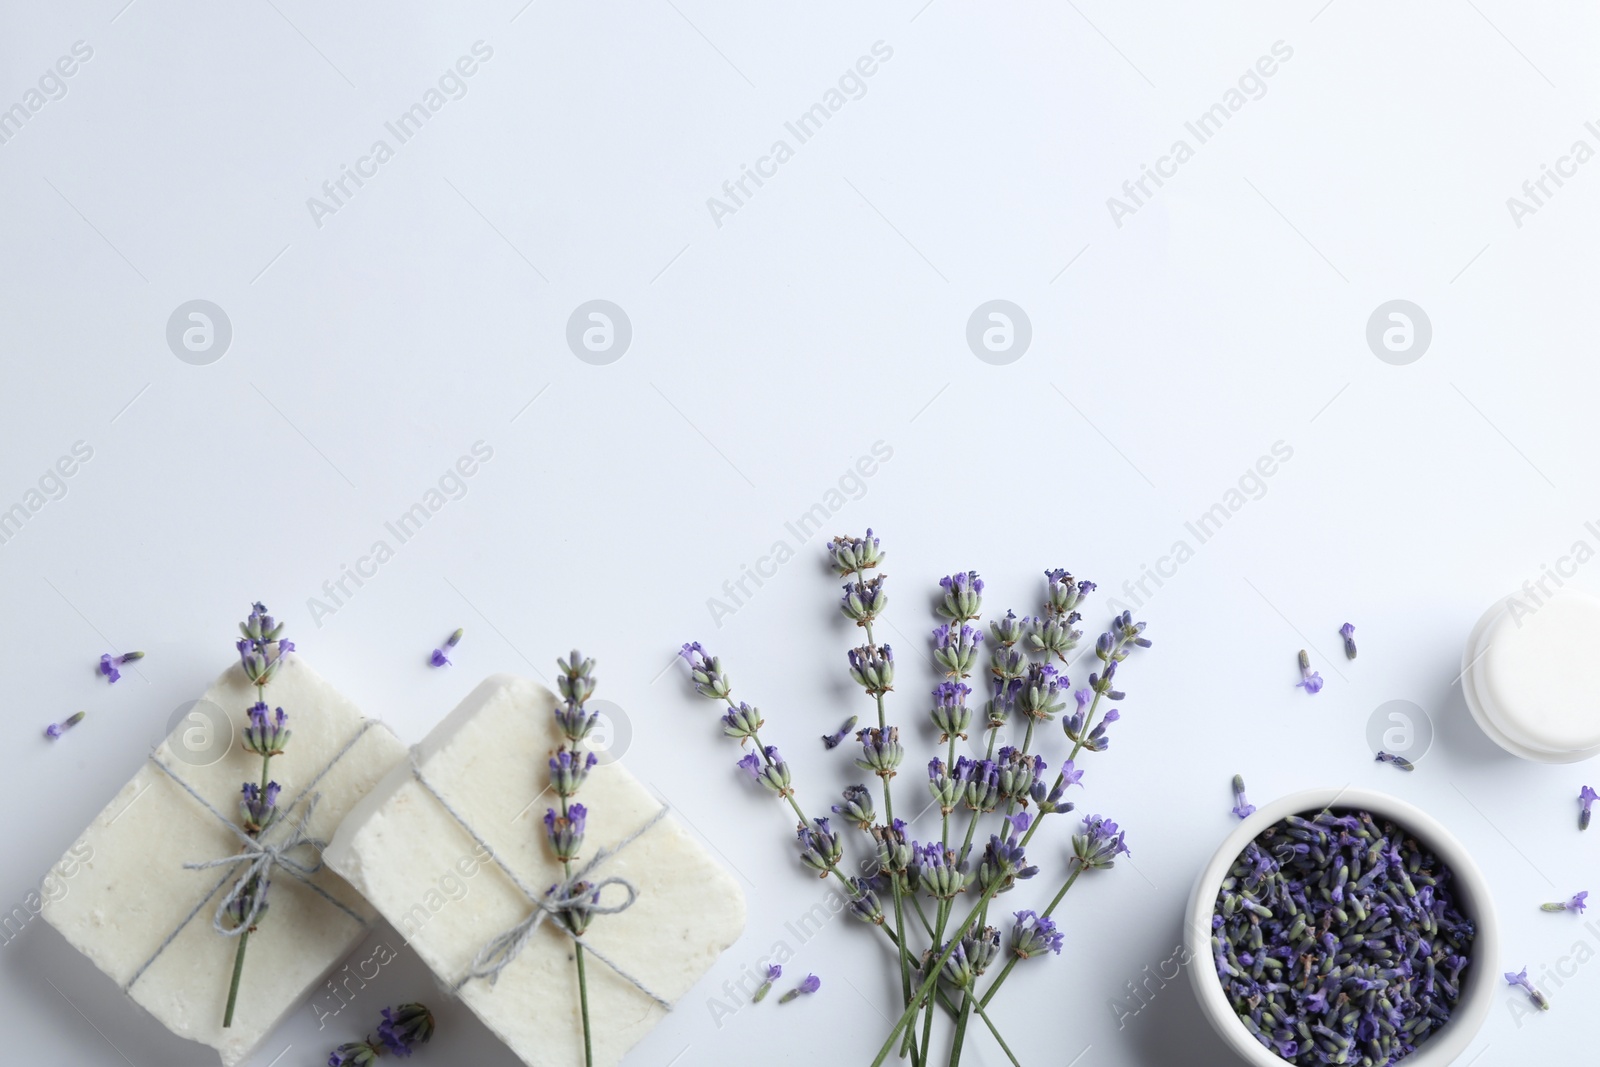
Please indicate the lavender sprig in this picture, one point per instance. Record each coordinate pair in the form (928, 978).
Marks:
(56, 729)
(441, 656)
(1575, 903)
(1521, 979)
(1310, 680)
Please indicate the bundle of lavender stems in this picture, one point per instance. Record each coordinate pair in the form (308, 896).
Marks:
(933, 900)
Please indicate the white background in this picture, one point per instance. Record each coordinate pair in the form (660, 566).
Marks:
(769, 353)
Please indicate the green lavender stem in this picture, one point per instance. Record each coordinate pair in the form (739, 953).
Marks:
(238, 953)
(1000, 979)
(583, 978)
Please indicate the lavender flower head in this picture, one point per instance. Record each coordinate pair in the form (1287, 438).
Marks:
(258, 808)
(354, 1054)
(857, 806)
(864, 902)
(935, 870)
(1042, 692)
(963, 596)
(872, 666)
(854, 555)
(404, 1028)
(1586, 798)
(1034, 935)
(566, 831)
(1003, 860)
(955, 648)
(742, 721)
(1063, 592)
(705, 671)
(864, 600)
(1100, 843)
(951, 716)
(577, 684)
(1008, 630)
(881, 751)
(569, 769)
(1310, 680)
(820, 848)
(264, 736)
(773, 973)
(262, 648)
(768, 768)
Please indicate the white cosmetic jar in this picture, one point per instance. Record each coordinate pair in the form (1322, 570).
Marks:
(1532, 679)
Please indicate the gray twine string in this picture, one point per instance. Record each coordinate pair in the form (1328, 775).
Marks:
(261, 857)
(505, 947)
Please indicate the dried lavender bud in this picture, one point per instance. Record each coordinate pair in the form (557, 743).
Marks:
(1129, 632)
(1100, 843)
(354, 1054)
(857, 806)
(705, 671)
(568, 770)
(404, 1028)
(1586, 797)
(1241, 806)
(110, 663)
(258, 808)
(809, 985)
(832, 740)
(1310, 680)
(1009, 630)
(1003, 862)
(1034, 935)
(873, 668)
(1577, 903)
(864, 601)
(981, 947)
(1054, 636)
(945, 789)
(56, 729)
(935, 870)
(980, 782)
(441, 656)
(743, 722)
(955, 649)
(1062, 593)
(881, 751)
(1017, 772)
(1521, 979)
(262, 648)
(963, 596)
(951, 716)
(853, 555)
(263, 736)
(768, 768)
(896, 852)
(774, 972)
(1041, 693)
(566, 831)
(1008, 663)
(1348, 632)
(865, 905)
(1097, 741)
(820, 847)
(1338, 940)
(1399, 761)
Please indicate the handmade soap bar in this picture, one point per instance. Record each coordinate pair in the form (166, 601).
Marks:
(146, 920)
(1531, 677)
(426, 846)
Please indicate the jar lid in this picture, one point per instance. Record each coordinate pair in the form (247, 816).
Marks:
(1532, 677)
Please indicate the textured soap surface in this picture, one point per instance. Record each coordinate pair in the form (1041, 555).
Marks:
(135, 892)
(414, 863)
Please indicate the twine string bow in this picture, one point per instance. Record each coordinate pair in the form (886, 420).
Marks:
(260, 857)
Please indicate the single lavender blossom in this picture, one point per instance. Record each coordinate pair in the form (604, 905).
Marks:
(1241, 806)
(404, 1028)
(566, 831)
(1310, 680)
(1574, 903)
(951, 716)
(1348, 632)
(742, 722)
(1586, 797)
(258, 808)
(1034, 935)
(857, 806)
(441, 656)
(820, 848)
(110, 663)
(1399, 761)
(1521, 979)
(854, 555)
(810, 984)
(1100, 843)
(963, 596)
(832, 740)
(774, 972)
(705, 671)
(56, 729)
(768, 768)
(266, 737)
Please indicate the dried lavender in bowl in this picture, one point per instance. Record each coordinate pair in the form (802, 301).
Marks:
(1338, 940)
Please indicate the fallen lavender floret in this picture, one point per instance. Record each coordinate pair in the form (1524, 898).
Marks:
(1310, 680)
(1399, 761)
(441, 656)
(1348, 632)
(1521, 979)
(1586, 798)
(832, 740)
(55, 729)
(1577, 902)
(1338, 940)
(109, 664)
(1241, 805)
(809, 985)
(774, 972)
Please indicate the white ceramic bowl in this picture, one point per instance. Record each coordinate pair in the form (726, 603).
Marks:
(1472, 896)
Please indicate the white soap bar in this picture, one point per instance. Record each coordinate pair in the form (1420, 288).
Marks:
(135, 893)
(415, 863)
(1532, 678)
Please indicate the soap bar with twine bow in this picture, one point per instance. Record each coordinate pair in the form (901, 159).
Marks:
(551, 892)
(209, 903)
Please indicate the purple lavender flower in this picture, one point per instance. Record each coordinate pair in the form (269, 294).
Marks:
(354, 1054)
(857, 806)
(832, 740)
(1097, 741)
(896, 853)
(854, 555)
(1100, 842)
(264, 736)
(1310, 680)
(1054, 801)
(1062, 594)
(945, 789)
(810, 984)
(258, 808)
(110, 663)
(1017, 772)
(872, 667)
(1521, 979)
(1399, 761)
(1576, 903)
(741, 722)
(980, 780)
(1042, 688)
(955, 648)
(1009, 630)
(774, 972)
(404, 1028)
(1348, 632)
(864, 903)
(881, 751)
(1003, 860)
(768, 768)
(963, 596)
(1241, 806)
(1034, 935)
(820, 847)
(936, 870)
(1586, 797)
(1129, 633)
(56, 729)
(951, 716)
(566, 831)
(864, 600)
(441, 656)
(262, 648)
(705, 671)
(568, 770)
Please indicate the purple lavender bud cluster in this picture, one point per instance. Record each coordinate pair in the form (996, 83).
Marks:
(705, 672)
(1034, 935)
(576, 683)
(1017, 773)
(820, 848)
(258, 808)
(1338, 940)
(264, 736)
(742, 721)
(262, 648)
(405, 1028)
(864, 902)
(980, 783)
(852, 557)
(896, 852)
(881, 750)
(855, 555)
(109, 664)
(768, 768)
(1007, 631)
(857, 807)
(955, 649)
(864, 600)
(943, 786)
(963, 596)
(1004, 863)
(568, 771)
(1095, 740)
(354, 1054)
(951, 716)
(937, 871)
(872, 667)
(1099, 843)
(566, 831)
(1042, 692)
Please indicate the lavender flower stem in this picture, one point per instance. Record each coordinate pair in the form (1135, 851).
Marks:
(583, 980)
(238, 972)
(978, 1007)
